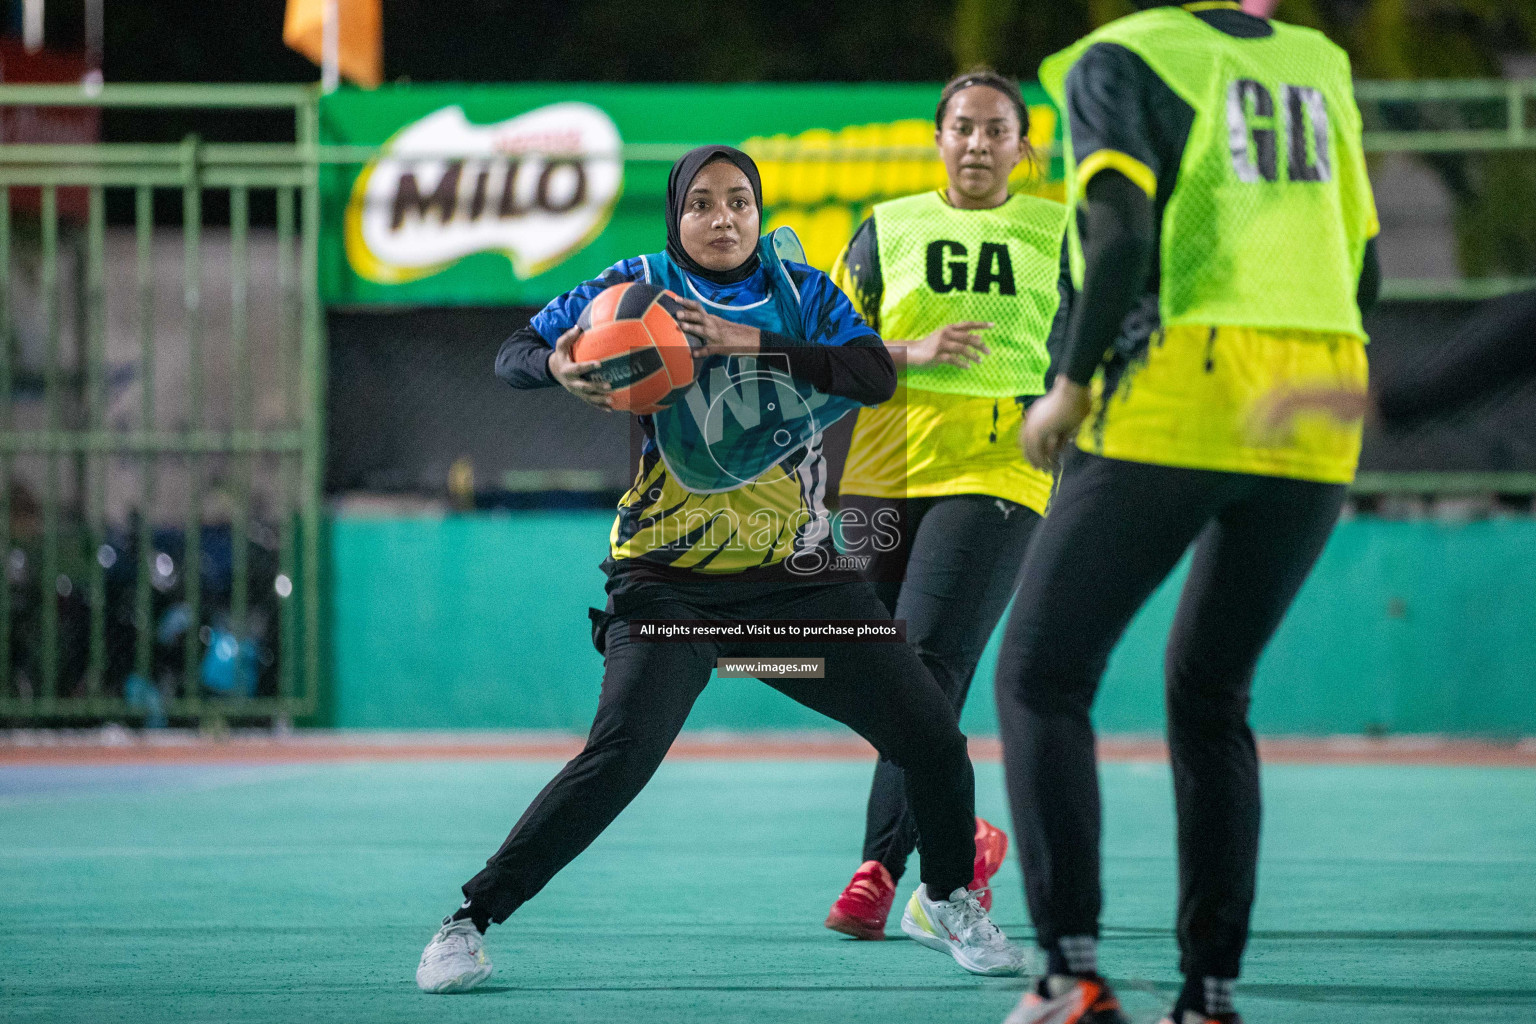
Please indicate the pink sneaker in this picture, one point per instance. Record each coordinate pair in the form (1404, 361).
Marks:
(865, 904)
(991, 851)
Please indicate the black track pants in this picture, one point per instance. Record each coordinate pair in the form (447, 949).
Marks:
(880, 690)
(949, 577)
(1116, 529)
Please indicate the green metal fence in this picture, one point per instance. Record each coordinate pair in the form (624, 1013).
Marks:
(111, 502)
(65, 465)
(1450, 118)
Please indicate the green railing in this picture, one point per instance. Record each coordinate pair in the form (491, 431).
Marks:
(276, 674)
(1509, 102)
(1454, 116)
(1450, 117)
(56, 669)
(1446, 484)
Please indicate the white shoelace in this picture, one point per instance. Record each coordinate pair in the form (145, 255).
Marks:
(451, 938)
(976, 928)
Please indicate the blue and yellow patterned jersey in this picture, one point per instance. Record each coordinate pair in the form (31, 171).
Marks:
(731, 476)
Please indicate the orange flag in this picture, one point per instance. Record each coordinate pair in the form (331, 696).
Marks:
(361, 39)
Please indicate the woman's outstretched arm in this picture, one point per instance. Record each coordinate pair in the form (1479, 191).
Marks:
(861, 369)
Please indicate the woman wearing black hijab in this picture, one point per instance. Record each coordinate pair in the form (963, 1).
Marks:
(725, 524)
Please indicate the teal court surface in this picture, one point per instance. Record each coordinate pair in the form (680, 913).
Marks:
(305, 891)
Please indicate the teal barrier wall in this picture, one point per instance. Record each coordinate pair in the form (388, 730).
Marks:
(480, 621)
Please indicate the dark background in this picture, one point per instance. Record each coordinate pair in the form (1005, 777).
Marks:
(411, 391)
(729, 40)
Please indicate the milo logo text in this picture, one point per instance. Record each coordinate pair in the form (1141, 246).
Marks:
(561, 186)
(537, 188)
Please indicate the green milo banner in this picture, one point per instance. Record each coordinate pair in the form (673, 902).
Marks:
(509, 195)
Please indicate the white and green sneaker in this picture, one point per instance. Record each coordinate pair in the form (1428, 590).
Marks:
(960, 927)
(455, 960)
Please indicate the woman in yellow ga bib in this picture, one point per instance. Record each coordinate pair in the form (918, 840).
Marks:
(936, 496)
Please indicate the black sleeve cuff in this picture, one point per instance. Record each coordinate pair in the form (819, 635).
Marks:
(523, 361)
(862, 372)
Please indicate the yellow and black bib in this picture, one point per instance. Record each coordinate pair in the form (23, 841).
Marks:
(942, 265)
(1262, 243)
(952, 430)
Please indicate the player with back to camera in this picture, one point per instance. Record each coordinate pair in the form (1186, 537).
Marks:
(1222, 238)
(966, 285)
(690, 543)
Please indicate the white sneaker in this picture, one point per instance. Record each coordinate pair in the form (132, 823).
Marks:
(960, 927)
(455, 960)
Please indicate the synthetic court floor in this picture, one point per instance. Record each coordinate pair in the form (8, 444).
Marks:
(304, 891)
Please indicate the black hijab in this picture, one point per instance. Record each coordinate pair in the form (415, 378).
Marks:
(678, 183)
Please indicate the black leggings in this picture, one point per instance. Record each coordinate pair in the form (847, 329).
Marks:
(949, 577)
(880, 690)
(1116, 529)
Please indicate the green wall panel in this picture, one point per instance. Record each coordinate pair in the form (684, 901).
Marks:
(479, 621)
